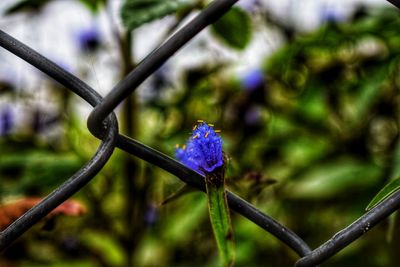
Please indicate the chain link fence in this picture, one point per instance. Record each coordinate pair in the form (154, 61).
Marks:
(104, 125)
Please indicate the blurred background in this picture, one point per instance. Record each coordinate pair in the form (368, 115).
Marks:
(306, 94)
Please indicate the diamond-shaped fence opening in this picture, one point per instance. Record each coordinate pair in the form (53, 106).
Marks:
(103, 124)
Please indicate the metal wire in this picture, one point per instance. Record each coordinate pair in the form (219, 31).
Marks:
(154, 60)
(103, 124)
(88, 171)
(352, 232)
(395, 2)
(196, 180)
(135, 148)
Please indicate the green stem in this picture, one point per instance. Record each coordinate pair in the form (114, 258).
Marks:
(220, 217)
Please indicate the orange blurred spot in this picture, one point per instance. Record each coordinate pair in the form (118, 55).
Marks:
(12, 211)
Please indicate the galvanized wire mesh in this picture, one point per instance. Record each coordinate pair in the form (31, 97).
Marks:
(103, 124)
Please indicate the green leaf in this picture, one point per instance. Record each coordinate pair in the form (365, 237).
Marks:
(337, 178)
(93, 5)
(26, 5)
(384, 193)
(234, 28)
(106, 245)
(36, 171)
(135, 13)
(221, 221)
(190, 212)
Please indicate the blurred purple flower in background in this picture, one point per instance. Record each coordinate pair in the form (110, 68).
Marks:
(151, 215)
(6, 121)
(331, 15)
(253, 80)
(203, 151)
(253, 116)
(89, 39)
(249, 5)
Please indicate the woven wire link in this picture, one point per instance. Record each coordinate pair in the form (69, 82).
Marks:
(103, 124)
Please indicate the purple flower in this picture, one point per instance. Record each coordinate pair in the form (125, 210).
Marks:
(150, 216)
(182, 155)
(330, 15)
(203, 151)
(253, 80)
(89, 39)
(6, 122)
(249, 5)
(253, 116)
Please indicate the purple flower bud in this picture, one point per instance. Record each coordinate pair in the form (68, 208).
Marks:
(203, 151)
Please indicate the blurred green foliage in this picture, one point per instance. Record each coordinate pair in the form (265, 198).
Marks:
(310, 144)
(134, 13)
(234, 28)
